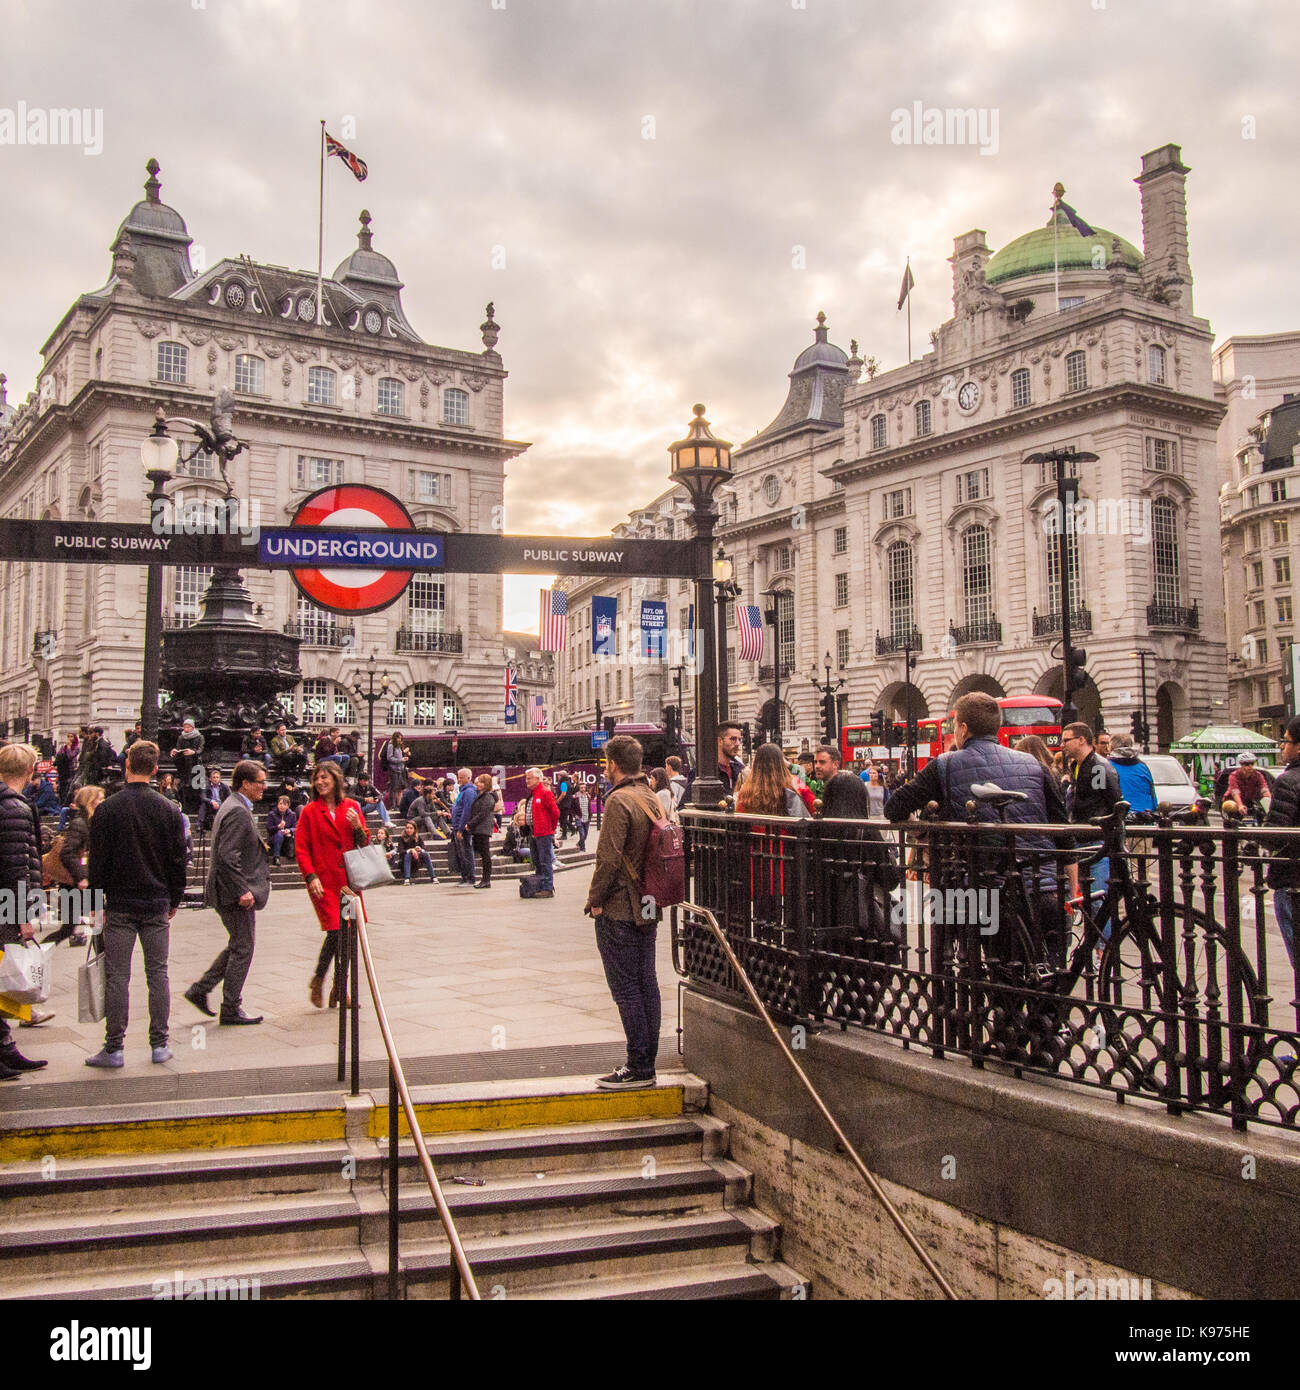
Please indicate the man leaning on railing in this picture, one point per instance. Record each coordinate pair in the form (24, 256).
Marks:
(1284, 866)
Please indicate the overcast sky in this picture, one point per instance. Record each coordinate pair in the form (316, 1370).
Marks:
(648, 169)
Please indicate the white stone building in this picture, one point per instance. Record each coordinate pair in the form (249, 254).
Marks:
(358, 398)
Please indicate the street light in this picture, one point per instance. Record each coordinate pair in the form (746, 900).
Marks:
(701, 464)
(1067, 494)
(724, 582)
(827, 690)
(772, 616)
(158, 453)
(370, 695)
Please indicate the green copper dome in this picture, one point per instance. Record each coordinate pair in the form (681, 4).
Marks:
(1031, 254)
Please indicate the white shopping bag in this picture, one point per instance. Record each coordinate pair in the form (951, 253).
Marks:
(25, 969)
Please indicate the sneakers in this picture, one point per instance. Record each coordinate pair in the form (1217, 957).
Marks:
(38, 1017)
(625, 1079)
(162, 1054)
(105, 1059)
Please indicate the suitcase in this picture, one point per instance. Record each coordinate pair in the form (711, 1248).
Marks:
(529, 885)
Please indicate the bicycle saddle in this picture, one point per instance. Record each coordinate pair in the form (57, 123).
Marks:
(992, 795)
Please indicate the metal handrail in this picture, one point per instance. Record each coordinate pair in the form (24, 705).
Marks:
(460, 1269)
(868, 1176)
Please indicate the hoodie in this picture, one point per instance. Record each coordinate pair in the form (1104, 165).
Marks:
(1136, 785)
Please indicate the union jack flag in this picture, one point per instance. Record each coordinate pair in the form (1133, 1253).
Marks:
(536, 712)
(749, 625)
(333, 148)
(554, 619)
(512, 687)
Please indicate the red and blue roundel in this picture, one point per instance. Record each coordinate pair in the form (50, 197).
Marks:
(353, 507)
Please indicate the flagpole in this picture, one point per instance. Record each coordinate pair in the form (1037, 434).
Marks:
(909, 315)
(1057, 193)
(320, 236)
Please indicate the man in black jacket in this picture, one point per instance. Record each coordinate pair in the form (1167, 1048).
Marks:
(1284, 865)
(1093, 791)
(20, 876)
(137, 860)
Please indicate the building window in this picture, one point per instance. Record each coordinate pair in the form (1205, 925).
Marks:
(772, 489)
(837, 485)
(315, 701)
(1261, 650)
(1252, 497)
(618, 685)
(455, 406)
(784, 558)
(1284, 608)
(173, 363)
(879, 434)
(316, 626)
(1277, 490)
(453, 712)
(320, 386)
(1021, 395)
(1262, 690)
(1070, 301)
(731, 666)
(922, 413)
(1164, 538)
(422, 701)
(898, 569)
(841, 545)
(189, 586)
(249, 374)
(426, 602)
(841, 591)
(1281, 533)
(785, 628)
(1252, 536)
(424, 485)
(1156, 365)
(1259, 612)
(318, 472)
(202, 465)
(1054, 572)
(977, 574)
(1160, 455)
(96, 461)
(898, 503)
(1257, 575)
(972, 486)
(389, 396)
(1076, 371)
(1282, 570)
(842, 647)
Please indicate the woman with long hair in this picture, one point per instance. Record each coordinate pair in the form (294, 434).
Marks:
(329, 826)
(479, 825)
(413, 853)
(396, 757)
(662, 786)
(72, 846)
(1036, 748)
(769, 789)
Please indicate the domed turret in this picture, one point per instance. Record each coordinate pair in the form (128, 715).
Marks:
(817, 382)
(1058, 243)
(151, 250)
(368, 273)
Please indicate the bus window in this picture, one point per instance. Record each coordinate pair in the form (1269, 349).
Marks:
(1029, 716)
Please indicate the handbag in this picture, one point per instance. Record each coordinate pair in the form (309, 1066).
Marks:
(367, 867)
(25, 970)
(53, 865)
(92, 984)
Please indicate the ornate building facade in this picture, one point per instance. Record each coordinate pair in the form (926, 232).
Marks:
(357, 397)
(882, 508)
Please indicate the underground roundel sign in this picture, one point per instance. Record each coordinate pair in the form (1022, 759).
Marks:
(347, 587)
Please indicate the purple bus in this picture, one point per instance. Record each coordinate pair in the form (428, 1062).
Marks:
(563, 756)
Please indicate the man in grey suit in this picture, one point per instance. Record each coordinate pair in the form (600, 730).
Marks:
(239, 882)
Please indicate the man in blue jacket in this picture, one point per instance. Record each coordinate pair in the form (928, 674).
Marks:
(1136, 785)
(459, 825)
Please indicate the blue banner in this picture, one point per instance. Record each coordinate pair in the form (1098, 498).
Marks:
(512, 714)
(690, 633)
(604, 622)
(654, 628)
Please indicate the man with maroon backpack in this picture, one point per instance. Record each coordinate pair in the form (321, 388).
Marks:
(627, 912)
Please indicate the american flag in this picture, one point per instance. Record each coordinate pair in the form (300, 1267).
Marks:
(536, 712)
(333, 148)
(555, 612)
(749, 624)
(512, 687)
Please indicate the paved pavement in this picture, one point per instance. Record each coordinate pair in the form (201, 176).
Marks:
(463, 973)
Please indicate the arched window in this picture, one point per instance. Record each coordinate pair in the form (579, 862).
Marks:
(1164, 544)
(455, 406)
(898, 571)
(922, 413)
(250, 375)
(390, 396)
(320, 386)
(189, 584)
(173, 363)
(1156, 364)
(1076, 371)
(420, 706)
(1054, 573)
(323, 702)
(1021, 391)
(977, 574)
(879, 433)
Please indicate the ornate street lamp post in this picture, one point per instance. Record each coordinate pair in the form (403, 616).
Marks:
(371, 696)
(728, 590)
(701, 464)
(158, 452)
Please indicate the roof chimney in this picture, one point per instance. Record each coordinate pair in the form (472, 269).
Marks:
(1164, 220)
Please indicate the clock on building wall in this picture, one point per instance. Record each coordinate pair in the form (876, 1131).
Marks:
(968, 396)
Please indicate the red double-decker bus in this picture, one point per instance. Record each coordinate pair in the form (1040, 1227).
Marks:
(1021, 715)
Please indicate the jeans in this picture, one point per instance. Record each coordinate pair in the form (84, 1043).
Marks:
(121, 930)
(542, 849)
(278, 839)
(627, 951)
(483, 848)
(582, 834)
(1284, 909)
(465, 855)
(407, 860)
(233, 964)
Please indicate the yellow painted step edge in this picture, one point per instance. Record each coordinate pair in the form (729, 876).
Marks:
(518, 1112)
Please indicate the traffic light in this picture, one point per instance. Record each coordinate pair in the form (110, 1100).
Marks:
(1135, 725)
(747, 739)
(611, 723)
(1076, 677)
(889, 731)
(877, 729)
(670, 728)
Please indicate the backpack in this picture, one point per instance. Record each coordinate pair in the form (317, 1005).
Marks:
(663, 871)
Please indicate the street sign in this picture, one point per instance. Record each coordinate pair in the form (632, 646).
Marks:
(353, 510)
(599, 738)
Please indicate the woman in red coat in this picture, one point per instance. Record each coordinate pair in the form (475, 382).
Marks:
(329, 825)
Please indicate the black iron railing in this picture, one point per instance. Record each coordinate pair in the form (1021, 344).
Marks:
(989, 630)
(1049, 624)
(409, 640)
(766, 674)
(1173, 615)
(314, 633)
(899, 642)
(1189, 1000)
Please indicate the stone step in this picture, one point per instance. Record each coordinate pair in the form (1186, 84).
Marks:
(701, 1283)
